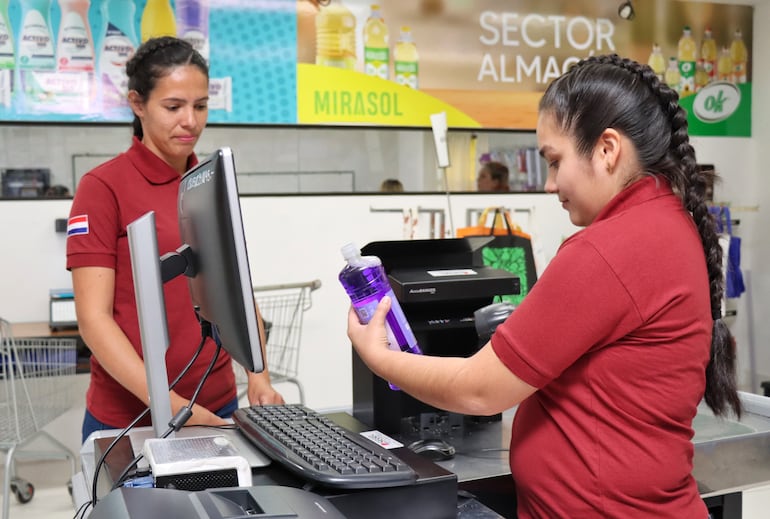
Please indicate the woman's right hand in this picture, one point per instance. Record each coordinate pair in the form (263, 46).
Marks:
(200, 415)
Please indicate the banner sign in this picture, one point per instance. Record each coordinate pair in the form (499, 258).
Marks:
(485, 63)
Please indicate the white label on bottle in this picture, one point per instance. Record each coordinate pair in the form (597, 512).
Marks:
(35, 43)
(221, 94)
(199, 41)
(5, 87)
(75, 50)
(116, 51)
(6, 45)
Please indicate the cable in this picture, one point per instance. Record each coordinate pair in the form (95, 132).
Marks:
(81, 512)
(204, 335)
(178, 421)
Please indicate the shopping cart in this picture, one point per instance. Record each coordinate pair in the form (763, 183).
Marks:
(36, 386)
(282, 307)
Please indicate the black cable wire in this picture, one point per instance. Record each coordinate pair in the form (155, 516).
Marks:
(94, 499)
(81, 512)
(177, 422)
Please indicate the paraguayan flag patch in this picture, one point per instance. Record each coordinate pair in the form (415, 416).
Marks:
(77, 225)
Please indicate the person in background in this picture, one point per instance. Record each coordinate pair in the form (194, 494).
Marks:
(493, 177)
(168, 93)
(391, 185)
(610, 354)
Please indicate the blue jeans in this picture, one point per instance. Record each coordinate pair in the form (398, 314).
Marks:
(91, 424)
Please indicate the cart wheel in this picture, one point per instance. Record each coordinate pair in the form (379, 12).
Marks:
(23, 489)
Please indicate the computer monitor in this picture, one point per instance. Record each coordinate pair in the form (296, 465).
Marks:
(211, 226)
(213, 256)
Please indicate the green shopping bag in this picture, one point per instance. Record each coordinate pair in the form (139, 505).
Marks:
(510, 251)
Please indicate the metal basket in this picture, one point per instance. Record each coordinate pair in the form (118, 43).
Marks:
(36, 386)
(282, 307)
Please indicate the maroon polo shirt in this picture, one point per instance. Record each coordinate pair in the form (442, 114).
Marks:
(111, 196)
(616, 337)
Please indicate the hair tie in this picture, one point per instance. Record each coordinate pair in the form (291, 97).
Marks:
(716, 314)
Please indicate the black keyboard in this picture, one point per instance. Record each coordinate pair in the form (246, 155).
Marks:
(320, 451)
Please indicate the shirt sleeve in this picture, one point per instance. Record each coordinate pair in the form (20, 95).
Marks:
(577, 306)
(95, 208)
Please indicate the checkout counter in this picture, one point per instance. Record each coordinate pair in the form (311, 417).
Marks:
(730, 457)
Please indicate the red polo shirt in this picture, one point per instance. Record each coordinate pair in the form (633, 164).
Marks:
(616, 337)
(111, 196)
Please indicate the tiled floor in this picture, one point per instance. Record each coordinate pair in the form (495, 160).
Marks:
(50, 503)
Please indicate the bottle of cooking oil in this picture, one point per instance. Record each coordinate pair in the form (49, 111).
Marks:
(335, 36)
(686, 56)
(708, 52)
(701, 76)
(157, 20)
(376, 48)
(725, 65)
(406, 59)
(740, 57)
(672, 77)
(657, 62)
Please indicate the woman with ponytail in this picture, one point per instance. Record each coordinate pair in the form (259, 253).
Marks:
(610, 354)
(168, 91)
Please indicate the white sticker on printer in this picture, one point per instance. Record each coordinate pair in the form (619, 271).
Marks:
(452, 272)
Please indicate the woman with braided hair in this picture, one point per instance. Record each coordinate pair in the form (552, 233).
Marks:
(168, 94)
(621, 338)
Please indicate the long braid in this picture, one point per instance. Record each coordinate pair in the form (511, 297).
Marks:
(664, 149)
(721, 391)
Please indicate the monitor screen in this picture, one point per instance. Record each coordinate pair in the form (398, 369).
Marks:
(213, 256)
(210, 224)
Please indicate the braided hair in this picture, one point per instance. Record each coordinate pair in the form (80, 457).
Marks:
(647, 111)
(155, 59)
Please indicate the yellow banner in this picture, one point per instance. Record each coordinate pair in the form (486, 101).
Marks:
(334, 95)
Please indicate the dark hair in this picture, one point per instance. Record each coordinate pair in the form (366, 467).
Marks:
(497, 170)
(391, 185)
(647, 111)
(155, 59)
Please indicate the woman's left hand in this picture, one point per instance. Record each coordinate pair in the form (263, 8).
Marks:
(261, 391)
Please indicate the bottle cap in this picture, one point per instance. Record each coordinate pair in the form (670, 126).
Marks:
(350, 251)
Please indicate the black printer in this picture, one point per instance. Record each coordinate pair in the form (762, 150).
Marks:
(439, 284)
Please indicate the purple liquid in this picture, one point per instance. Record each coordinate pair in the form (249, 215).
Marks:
(366, 283)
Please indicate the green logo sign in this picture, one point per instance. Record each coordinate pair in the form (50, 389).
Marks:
(716, 102)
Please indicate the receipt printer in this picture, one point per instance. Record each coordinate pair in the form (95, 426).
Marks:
(196, 463)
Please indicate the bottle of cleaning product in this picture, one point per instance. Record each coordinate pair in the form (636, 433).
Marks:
(739, 56)
(36, 45)
(366, 283)
(335, 36)
(75, 44)
(119, 42)
(192, 21)
(157, 20)
(657, 62)
(405, 60)
(7, 56)
(686, 57)
(35, 52)
(708, 52)
(376, 48)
